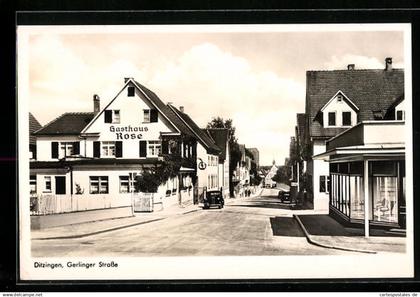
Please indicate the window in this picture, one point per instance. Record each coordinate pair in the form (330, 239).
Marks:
(108, 149)
(331, 119)
(346, 118)
(400, 115)
(130, 91)
(32, 184)
(47, 181)
(324, 183)
(155, 148)
(116, 116)
(98, 185)
(146, 115)
(66, 149)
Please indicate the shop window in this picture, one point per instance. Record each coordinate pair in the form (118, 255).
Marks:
(155, 148)
(385, 199)
(108, 149)
(98, 185)
(47, 183)
(60, 185)
(346, 118)
(130, 92)
(331, 119)
(32, 184)
(400, 115)
(357, 204)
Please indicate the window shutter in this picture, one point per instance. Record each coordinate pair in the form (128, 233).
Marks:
(153, 116)
(108, 116)
(143, 148)
(165, 146)
(118, 149)
(96, 149)
(194, 150)
(54, 150)
(76, 148)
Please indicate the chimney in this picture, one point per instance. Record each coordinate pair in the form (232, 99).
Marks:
(96, 104)
(181, 108)
(350, 67)
(126, 79)
(388, 64)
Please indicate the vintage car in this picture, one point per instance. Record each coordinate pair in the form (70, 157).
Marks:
(285, 196)
(213, 198)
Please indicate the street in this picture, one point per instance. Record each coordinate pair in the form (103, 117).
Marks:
(244, 227)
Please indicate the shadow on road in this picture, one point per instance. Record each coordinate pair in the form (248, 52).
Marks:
(282, 226)
(327, 226)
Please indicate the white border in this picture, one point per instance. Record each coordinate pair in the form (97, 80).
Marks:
(237, 267)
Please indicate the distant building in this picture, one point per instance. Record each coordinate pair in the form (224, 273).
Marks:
(268, 181)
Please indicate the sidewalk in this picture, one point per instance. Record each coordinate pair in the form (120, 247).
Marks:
(322, 230)
(97, 227)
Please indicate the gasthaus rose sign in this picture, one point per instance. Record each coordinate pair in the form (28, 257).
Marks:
(128, 132)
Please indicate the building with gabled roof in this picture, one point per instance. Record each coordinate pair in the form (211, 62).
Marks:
(89, 161)
(339, 100)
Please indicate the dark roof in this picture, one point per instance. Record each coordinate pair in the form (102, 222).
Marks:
(70, 123)
(34, 125)
(370, 89)
(201, 136)
(220, 136)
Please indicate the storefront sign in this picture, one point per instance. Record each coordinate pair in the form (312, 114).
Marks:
(128, 132)
(202, 165)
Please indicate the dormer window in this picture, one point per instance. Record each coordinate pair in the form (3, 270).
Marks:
(331, 119)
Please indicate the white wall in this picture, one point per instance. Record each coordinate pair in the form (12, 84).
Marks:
(339, 107)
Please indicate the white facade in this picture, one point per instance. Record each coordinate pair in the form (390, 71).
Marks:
(321, 172)
(209, 176)
(268, 178)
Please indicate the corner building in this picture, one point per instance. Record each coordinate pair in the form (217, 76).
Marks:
(89, 161)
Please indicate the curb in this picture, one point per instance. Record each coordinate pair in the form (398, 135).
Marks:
(314, 242)
(98, 232)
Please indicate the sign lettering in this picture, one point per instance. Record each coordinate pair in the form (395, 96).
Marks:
(121, 133)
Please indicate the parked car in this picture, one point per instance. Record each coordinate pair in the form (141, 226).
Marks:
(213, 198)
(285, 196)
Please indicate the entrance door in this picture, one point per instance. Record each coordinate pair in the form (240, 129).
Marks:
(60, 185)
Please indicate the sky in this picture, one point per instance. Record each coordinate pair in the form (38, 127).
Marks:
(255, 78)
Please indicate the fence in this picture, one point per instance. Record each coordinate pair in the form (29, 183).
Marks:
(54, 204)
(142, 202)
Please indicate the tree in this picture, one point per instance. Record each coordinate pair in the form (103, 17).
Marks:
(283, 174)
